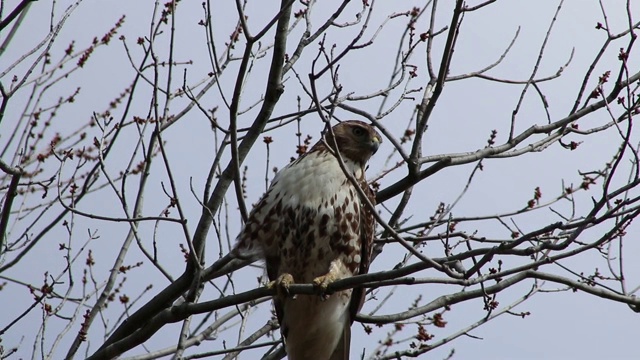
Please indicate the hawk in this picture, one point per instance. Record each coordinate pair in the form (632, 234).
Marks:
(311, 226)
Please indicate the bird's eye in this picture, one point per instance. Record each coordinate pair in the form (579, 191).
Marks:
(358, 131)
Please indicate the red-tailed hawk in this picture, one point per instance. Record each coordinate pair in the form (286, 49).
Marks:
(311, 227)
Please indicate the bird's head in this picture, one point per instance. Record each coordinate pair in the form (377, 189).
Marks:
(357, 141)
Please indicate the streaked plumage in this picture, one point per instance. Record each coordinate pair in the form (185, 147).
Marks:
(312, 225)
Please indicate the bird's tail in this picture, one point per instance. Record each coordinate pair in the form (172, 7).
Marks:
(344, 345)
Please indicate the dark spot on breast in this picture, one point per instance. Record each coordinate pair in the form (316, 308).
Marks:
(305, 249)
(339, 247)
(304, 227)
(337, 214)
(334, 241)
(271, 212)
(354, 226)
(311, 239)
(291, 215)
(322, 228)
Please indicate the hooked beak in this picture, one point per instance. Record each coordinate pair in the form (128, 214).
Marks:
(375, 144)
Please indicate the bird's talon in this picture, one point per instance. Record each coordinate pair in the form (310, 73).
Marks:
(282, 284)
(322, 283)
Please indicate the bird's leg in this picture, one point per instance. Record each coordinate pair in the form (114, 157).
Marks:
(281, 284)
(322, 282)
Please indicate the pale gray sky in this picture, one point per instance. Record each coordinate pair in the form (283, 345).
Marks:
(562, 325)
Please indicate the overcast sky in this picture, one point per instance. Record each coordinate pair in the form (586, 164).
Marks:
(562, 325)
